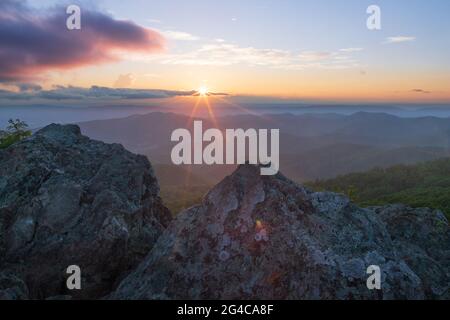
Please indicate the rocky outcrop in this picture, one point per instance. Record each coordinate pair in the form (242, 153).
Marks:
(256, 237)
(68, 200)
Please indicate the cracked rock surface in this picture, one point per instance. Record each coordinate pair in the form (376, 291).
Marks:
(68, 200)
(256, 237)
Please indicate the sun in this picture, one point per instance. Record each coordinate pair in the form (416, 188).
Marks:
(203, 91)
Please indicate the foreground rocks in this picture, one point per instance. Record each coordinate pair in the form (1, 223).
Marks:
(68, 200)
(257, 237)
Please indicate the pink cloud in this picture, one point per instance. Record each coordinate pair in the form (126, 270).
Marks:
(34, 43)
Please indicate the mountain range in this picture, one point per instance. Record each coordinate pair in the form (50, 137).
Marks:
(312, 146)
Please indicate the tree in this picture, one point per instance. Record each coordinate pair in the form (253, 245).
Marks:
(15, 131)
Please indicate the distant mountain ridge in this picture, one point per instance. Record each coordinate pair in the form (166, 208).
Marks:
(312, 146)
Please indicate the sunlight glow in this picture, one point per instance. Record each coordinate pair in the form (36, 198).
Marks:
(203, 98)
(203, 91)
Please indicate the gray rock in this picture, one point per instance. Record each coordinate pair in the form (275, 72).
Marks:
(12, 287)
(68, 200)
(256, 237)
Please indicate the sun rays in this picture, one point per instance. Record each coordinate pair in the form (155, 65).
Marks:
(203, 99)
(215, 104)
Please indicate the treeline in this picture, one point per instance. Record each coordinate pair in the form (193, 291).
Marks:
(423, 185)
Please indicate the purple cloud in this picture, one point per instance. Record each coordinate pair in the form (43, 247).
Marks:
(33, 43)
(30, 92)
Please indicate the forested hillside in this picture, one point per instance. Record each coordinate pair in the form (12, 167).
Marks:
(423, 185)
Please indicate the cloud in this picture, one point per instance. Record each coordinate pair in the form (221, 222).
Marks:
(24, 87)
(124, 80)
(226, 54)
(154, 20)
(95, 92)
(151, 75)
(179, 35)
(10, 95)
(420, 91)
(35, 42)
(399, 39)
(222, 54)
(196, 94)
(314, 56)
(351, 49)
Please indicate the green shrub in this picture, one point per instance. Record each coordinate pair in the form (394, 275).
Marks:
(15, 131)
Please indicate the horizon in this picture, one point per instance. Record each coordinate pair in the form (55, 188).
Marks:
(138, 52)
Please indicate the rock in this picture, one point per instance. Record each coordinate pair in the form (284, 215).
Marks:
(68, 200)
(12, 287)
(257, 237)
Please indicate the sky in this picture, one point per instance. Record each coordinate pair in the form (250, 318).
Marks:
(299, 50)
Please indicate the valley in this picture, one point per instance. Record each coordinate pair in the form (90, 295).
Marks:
(312, 146)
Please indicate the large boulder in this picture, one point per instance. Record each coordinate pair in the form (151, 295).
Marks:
(257, 237)
(68, 200)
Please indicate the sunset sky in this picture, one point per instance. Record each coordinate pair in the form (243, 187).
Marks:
(307, 50)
